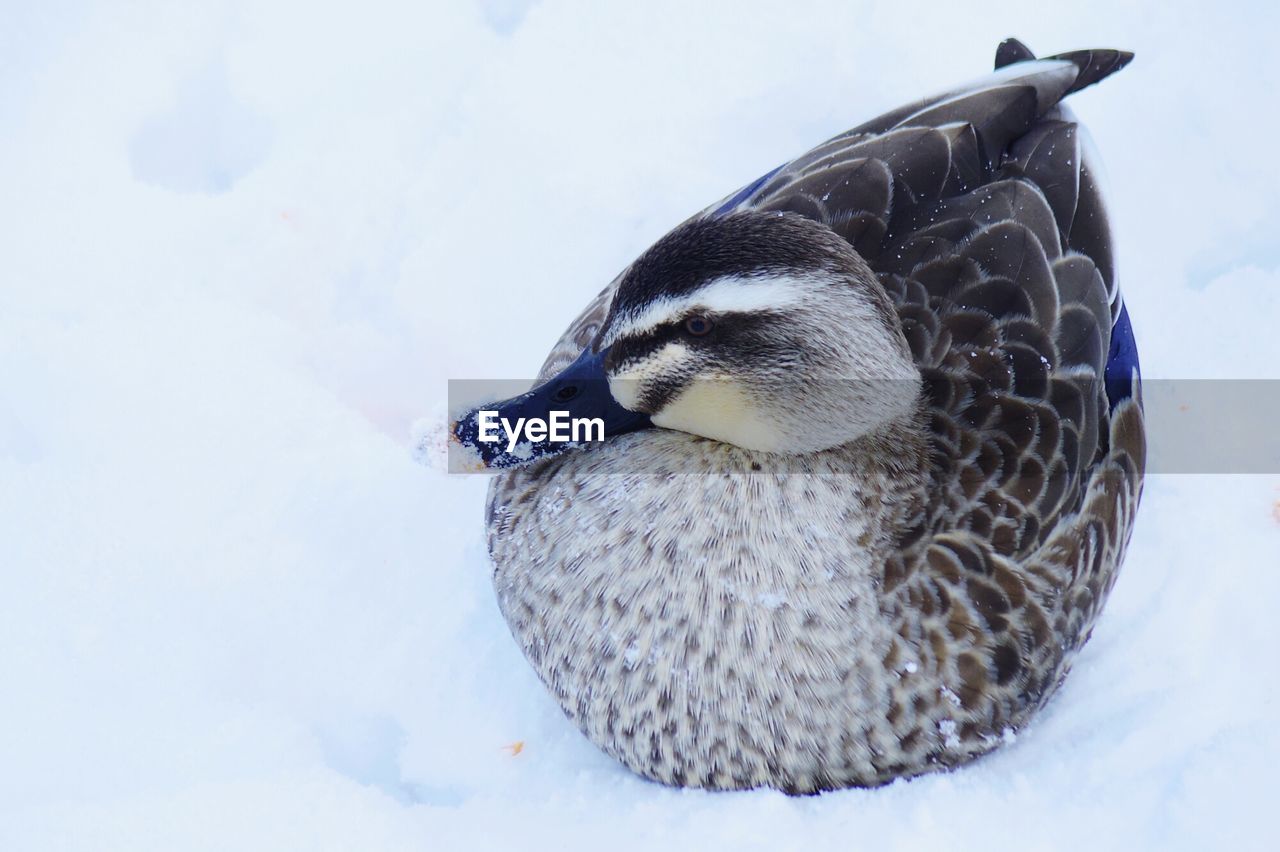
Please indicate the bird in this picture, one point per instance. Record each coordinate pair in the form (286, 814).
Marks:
(873, 446)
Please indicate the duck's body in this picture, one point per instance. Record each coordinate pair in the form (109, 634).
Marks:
(718, 616)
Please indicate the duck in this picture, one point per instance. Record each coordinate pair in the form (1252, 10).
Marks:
(872, 451)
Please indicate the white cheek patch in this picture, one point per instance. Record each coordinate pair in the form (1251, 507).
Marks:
(713, 407)
(723, 295)
(719, 409)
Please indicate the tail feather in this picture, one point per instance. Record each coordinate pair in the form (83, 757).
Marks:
(1010, 51)
(1093, 65)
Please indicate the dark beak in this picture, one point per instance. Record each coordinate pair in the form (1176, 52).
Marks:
(577, 399)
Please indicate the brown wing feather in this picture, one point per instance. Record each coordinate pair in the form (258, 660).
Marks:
(1006, 294)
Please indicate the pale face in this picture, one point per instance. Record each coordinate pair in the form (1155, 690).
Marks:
(778, 363)
(679, 359)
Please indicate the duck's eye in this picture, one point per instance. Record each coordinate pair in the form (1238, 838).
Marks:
(698, 325)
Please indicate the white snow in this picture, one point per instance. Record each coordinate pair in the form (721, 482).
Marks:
(243, 247)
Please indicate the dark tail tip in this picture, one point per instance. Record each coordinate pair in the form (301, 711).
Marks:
(1010, 51)
(1094, 65)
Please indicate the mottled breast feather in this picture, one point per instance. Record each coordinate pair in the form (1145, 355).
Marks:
(980, 214)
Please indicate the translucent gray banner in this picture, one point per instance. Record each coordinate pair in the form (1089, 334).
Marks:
(1193, 426)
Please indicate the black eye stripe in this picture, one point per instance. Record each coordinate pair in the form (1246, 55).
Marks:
(640, 346)
(732, 331)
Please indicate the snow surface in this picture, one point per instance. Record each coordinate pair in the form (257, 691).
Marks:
(244, 247)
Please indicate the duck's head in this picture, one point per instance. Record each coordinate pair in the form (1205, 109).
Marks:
(763, 330)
